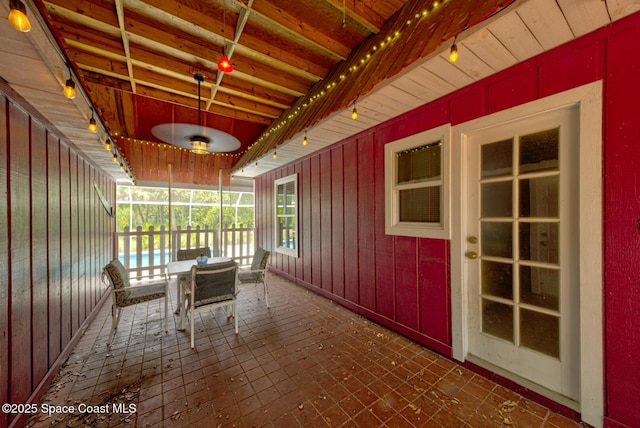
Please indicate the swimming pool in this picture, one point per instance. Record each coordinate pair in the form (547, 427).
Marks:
(144, 261)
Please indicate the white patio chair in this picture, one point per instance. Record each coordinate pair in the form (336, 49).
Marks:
(209, 287)
(257, 273)
(123, 294)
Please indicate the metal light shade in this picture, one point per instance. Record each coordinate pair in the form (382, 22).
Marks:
(18, 16)
(225, 65)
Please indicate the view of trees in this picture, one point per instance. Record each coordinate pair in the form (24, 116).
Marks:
(149, 206)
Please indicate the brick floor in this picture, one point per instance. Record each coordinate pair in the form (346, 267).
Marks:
(304, 362)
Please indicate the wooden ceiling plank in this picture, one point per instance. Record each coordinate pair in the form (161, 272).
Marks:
(443, 76)
(515, 36)
(85, 20)
(486, 46)
(173, 25)
(620, 8)
(584, 16)
(363, 15)
(275, 18)
(545, 21)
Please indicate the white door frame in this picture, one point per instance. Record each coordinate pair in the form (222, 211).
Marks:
(588, 99)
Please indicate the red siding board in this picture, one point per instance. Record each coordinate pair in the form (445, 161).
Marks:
(306, 219)
(584, 61)
(510, 90)
(19, 258)
(433, 289)
(337, 221)
(384, 249)
(4, 260)
(351, 226)
(406, 125)
(83, 244)
(316, 236)
(65, 242)
(622, 211)
(366, 222)
(54, 247)
(468, 104)
(39, 252)
(73, 200)
(325, 219)
(407, 281)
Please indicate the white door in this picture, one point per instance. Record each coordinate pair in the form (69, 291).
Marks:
(521, 249)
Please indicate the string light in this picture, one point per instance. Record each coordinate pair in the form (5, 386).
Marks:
(18, 16)
(275, 154)
(304, 140)
(107, 145)
(69, 86)
(385, 42)
(453, 54)
(354, 112)
(93, 126)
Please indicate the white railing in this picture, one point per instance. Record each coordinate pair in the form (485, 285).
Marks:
(148, 252)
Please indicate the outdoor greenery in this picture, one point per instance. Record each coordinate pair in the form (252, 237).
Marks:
(148, 206)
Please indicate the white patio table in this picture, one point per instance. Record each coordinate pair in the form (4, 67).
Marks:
(183, 267)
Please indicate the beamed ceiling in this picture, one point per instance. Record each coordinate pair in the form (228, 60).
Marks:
(299, 67)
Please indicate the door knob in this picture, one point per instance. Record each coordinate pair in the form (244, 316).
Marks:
(472, 255)
(472, 240)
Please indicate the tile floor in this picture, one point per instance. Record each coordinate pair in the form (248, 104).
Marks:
(304, 362)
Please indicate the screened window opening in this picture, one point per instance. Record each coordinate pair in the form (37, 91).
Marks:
(286, 213)
(416, 185)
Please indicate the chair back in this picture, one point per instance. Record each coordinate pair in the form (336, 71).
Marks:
(214, 283)
(118, 278)
(192, 253)
(260, 259)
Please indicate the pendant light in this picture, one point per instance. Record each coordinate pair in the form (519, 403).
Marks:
(224, 64)
(199, 143)
(69, 86)
(453, 53)
(18, 16)
(93, 126)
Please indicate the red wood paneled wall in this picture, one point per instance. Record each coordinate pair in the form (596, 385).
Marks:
(55, 236)
(404, 282)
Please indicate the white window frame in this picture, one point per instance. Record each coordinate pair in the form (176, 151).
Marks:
(393, 226)
(293, 252)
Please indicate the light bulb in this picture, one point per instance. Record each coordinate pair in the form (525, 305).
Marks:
(93, 126)
(453, 55)
(225, 65)
(354, 113)
(70, 89)
(18, 16)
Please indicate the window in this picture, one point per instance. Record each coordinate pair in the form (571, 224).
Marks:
(417, 185)
(286, 203)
